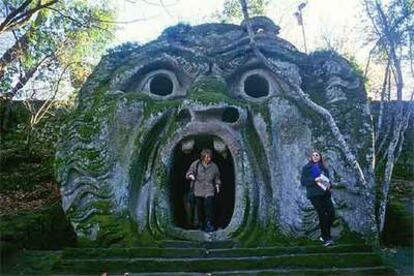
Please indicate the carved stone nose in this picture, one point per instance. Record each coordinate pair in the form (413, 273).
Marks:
(213, 86)
(210, 114)
(225, 114)
(209, 84)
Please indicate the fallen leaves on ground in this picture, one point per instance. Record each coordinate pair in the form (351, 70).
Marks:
(16, 201)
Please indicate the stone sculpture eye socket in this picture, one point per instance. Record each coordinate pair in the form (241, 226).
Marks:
(256, 86)
(161, 85)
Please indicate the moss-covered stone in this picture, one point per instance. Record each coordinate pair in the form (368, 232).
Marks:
(114, 162)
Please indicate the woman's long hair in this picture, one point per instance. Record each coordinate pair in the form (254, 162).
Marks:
(322, 161)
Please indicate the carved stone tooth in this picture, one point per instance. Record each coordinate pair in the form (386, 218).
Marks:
(187, 146)
(220, 147)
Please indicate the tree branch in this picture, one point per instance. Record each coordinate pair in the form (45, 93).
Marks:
(25, 78)
(125, 22)
(381, 111)
(17, 50)
(48, 103)
(14, 13)
(19, 16)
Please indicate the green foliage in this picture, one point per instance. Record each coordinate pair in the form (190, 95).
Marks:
(399, 224)
(27, 161)
(46, 228)
(88, 42)
(232, 12)
(69, 35)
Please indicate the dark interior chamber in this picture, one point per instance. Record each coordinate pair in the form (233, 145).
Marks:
(179, 186)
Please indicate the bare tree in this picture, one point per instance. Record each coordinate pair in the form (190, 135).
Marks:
(392, 28)
(298, 95)
(38, 112)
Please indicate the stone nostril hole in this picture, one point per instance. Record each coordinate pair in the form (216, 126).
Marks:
(230, 115)
(184, 116)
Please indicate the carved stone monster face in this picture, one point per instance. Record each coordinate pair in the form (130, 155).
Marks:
(147, 111)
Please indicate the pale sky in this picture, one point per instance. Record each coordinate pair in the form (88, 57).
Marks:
(331, 18)
(338, 21)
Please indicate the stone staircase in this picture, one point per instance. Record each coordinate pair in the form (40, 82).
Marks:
(214, 258)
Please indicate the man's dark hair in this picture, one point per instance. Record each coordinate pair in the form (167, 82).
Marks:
(205, 152)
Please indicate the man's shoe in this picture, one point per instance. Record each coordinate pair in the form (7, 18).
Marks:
(209, 227)
(322, 240)
(328, 243)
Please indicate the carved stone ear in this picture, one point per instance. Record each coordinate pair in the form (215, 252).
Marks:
(262, 24)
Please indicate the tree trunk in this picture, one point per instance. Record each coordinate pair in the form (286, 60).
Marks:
(385, 135)
(16, 51)
(404, 127)
(381, 109)
(27, 76)
(22, 14)
(5, 115)
(390, 162)
(21, 46)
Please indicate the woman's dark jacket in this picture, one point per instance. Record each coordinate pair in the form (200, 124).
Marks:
(307, 180)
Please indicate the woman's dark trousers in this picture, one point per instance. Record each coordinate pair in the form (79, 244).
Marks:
(205, 208)
(326, 213)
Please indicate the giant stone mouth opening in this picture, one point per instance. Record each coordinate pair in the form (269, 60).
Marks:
(179, 186)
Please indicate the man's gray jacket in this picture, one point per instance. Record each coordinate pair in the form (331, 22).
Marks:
(207, 177)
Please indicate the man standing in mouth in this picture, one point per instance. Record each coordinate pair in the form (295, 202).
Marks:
(205, 177)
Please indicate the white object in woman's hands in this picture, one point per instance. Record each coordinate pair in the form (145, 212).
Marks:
(191, 176)
(323, 182)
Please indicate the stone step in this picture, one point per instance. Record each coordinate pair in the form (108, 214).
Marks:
(302, 261)
(377, 270)
(194, 244)
(141, 252)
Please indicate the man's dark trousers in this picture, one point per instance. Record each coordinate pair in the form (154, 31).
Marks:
(205, 208)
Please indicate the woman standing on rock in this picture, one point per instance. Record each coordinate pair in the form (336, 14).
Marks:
(315, 177)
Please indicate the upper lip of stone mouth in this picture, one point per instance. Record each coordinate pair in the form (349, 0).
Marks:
(189, 142)
(217, 131)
